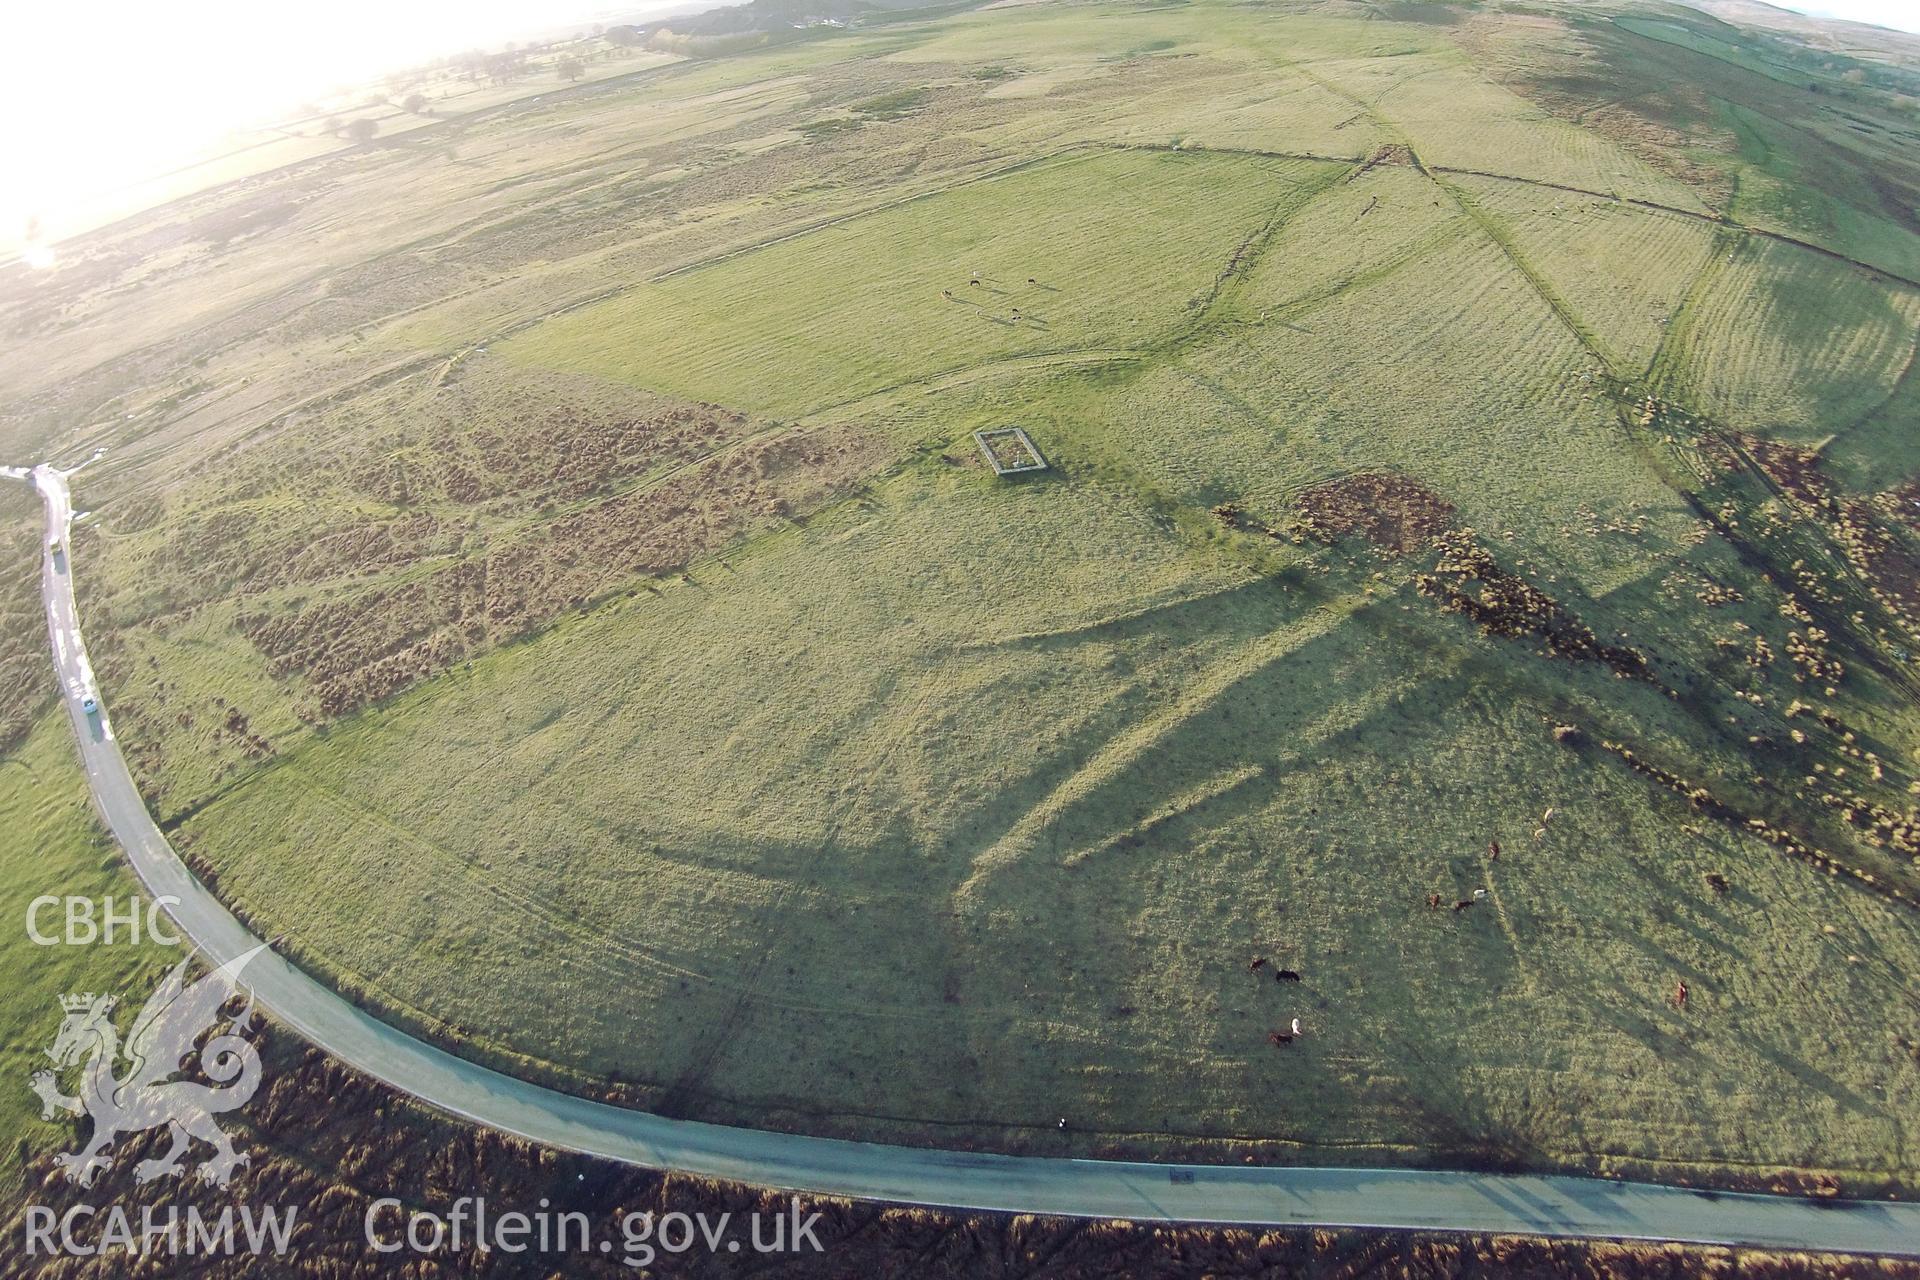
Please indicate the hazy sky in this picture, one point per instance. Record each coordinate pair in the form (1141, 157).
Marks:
(1903, 15)
(97, 94)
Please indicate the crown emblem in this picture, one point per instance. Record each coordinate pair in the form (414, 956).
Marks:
(176, 1018)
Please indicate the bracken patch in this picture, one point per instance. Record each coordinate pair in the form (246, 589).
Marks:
(1391, 512)
(1467, 580)
(1794, 469)
(363, 647)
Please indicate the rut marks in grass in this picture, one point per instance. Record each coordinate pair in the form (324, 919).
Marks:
(718, 1036)
(1561, 308)
(1239, 268)
(1666, 371)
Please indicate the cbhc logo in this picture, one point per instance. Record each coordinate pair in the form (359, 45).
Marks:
(82, 922)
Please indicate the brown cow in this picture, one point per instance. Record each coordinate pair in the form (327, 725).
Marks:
(1463, 904)
(1433, 900)
(1680, 994)
(1278, 1038)
(1493, 851)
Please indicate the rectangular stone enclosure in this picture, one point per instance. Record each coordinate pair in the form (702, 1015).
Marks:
(1009, 452)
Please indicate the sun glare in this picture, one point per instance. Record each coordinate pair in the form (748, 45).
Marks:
(142, 89)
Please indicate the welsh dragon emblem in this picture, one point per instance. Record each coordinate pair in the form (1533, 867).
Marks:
(160, 1044)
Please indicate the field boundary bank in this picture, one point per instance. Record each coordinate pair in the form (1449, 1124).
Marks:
(1708, 218)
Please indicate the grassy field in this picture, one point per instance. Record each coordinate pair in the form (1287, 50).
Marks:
(1082, 255)
(566, 601)
(54, 846)
(1793, 344)
(1060, 813)
(25, 692)
(1624, 272)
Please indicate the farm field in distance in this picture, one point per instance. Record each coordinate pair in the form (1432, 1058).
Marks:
(543, 570)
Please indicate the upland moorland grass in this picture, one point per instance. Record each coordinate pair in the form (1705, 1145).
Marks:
(564, 599)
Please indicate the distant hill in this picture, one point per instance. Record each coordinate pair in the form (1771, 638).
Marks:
(777, 15)
(1858, 38)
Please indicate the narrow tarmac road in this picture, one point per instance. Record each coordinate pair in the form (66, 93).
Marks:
(1432, 1200)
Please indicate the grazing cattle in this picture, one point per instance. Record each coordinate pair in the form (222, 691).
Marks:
(1285, 975)
(1257, 962)
(1433, 900)
(1680, 995)
(1296, 1026)
(1031, 280)
(1493, 851)
(1278, 1038)
(1463, 904)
